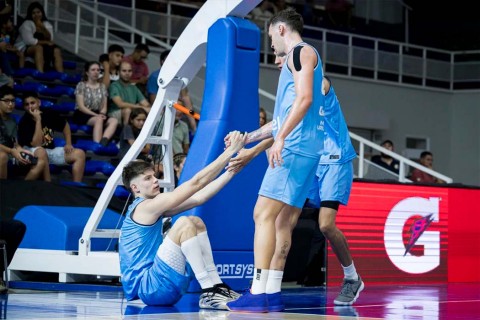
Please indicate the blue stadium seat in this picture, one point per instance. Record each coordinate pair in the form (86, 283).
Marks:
(59, 90)
(72, 79)
(30, 87)
(64, 107)
(25, 72)
(81, 127)
(120, 191)
(70, 65)
(16, 117)
(50, 76)
(94, 166)
(88, 145)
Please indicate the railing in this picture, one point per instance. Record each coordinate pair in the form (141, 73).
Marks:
(342, 53)
(404, 162)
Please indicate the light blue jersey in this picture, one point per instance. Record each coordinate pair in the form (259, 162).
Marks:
(307, 137)
(137, 249)
(338, 147)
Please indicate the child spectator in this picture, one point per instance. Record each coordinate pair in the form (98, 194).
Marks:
(91, 105)
(110, 64)
(8, 51)
(9, 148)
(37, 128)
(131, 131)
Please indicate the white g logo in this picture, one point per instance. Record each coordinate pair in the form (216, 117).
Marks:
(393, 240)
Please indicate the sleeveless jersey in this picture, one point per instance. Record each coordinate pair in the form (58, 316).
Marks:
(307, 137)
(338, 147)
(138, 246)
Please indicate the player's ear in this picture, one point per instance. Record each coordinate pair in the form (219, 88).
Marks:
(134, 188)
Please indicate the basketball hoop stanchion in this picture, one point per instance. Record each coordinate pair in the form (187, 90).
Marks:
(188, 112)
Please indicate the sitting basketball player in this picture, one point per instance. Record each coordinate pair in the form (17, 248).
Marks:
(154, 268)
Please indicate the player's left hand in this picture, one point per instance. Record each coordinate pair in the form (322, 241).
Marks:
(275, 153)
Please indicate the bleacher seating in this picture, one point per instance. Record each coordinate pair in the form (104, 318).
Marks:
(57, 91)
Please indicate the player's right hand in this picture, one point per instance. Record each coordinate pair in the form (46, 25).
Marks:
(237, 141)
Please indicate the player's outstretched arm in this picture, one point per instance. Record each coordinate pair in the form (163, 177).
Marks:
(244, 156)
(164, 202)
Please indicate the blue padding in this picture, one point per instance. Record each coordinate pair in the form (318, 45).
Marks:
(25, 72)
(50, 76)
(230, 102)
(60, 228)
(30, 86)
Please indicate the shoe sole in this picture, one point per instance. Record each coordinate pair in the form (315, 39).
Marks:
(341, 303)
(250, 310)
(276, 308)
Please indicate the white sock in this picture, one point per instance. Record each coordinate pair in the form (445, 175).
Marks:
(208, 257)
(350, 272)
(193, 252)
(259, 283)
(274, 282)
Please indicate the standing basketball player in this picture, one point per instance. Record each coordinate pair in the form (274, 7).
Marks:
(331, 184)
(297, 128)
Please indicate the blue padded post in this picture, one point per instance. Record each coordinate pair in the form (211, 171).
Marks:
(230, 102)
(59, 228)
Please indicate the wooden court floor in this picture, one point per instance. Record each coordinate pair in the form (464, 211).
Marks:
(443, 301)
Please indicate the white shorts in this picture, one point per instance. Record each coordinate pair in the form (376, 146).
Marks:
(55, 155)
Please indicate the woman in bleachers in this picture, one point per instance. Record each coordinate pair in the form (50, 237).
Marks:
(36, 39)
(91, 105)
(131, 131)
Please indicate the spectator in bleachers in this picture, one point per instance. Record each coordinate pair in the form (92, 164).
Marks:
(10, 150)
(91, 105)
(36, 40)
(5, 80)
(386, 161)
(263, 117)
(37, 129)
(178, 163)
(131, 131)
(262, 12)
(8, 51)
(110, 64)
(339, 12)
(426, 159)
(184, 98)
(125, 96)
(140, 70)
(181, 138)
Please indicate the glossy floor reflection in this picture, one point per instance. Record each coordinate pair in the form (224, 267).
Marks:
(453, 301)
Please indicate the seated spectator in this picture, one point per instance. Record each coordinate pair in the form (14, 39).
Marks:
(131, 131)
(110, 64)
(36, 129)
(181, 138)
(178, 163)
(184, 98)
(10, 149)
(262, 12)
(91, 105)
(125, 96)
(12, 232)
(426, 159)
(5, 80)
(8, 52)
(339, 12)
(386, 161)
(36, 40)
(140, 70)
(263, 117)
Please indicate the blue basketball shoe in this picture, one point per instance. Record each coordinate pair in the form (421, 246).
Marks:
(249, 303)
(275, 302)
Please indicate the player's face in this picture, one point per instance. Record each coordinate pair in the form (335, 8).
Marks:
(146, 184)
(274, 33)
(279, 61)
(31, 104)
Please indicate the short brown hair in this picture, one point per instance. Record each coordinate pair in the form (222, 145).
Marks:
(290, 17)
(132, 170)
